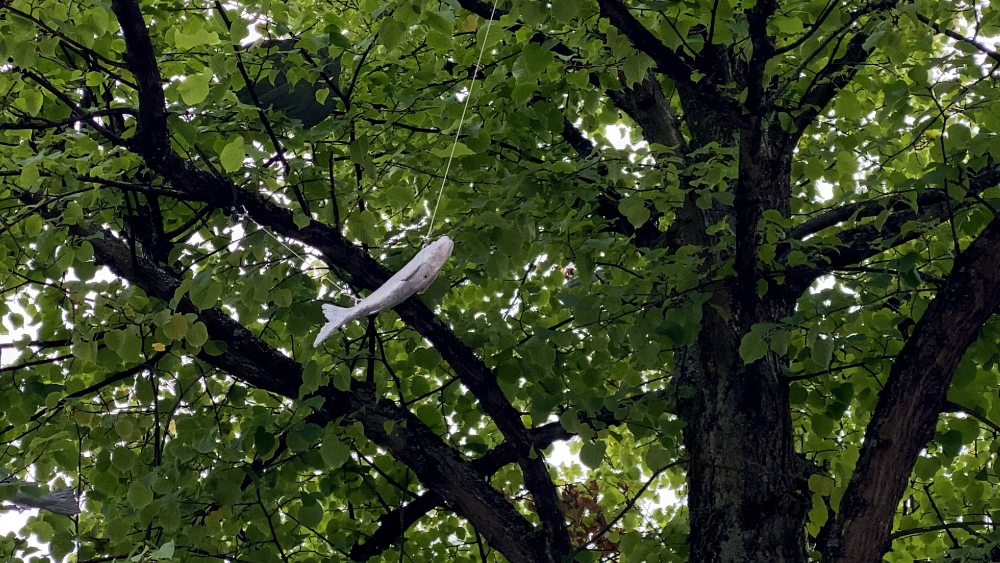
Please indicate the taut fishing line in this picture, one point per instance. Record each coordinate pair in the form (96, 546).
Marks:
(421, 271)
(461, 120)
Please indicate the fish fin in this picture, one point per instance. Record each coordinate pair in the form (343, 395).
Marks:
(336, 317)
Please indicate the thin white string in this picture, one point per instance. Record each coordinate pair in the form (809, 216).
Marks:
(461, 121)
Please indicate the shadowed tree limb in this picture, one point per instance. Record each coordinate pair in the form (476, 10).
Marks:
(968, 526)
(643, 102)
(959, 37)
(668, 62)
(75, 118)
(856, 243)
(950, 406)
(252, 361)
(913, 397)
(763, 50)
(151, 142)
(395, 522)
(151, 137)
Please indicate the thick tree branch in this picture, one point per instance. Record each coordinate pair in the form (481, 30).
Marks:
(857, 242)
(394, 523)
(151, 138)
(650, 110)
(253, 362)
(644, 102)
(150, 143)
(763, 50)
(913, 397)
(668, 62)
(471, 371)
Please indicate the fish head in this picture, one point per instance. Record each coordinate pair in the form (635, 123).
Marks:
(438, 252)
(428, 263)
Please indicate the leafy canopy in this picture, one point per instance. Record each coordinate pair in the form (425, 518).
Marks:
(183, 185)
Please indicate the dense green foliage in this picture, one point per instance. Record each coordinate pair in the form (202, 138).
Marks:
(163, 272)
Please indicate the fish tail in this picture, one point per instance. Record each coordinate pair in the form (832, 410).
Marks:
(60, 501)
(336, 317)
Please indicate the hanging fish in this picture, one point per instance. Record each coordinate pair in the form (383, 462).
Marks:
(417, 275)
(29, 495)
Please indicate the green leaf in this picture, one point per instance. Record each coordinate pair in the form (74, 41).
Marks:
(32, 101)
(282, 297)
(427, 358)
(390, 33)
(263, 441)
(227, 491)
(636, 67)
(312, 378)
(592, 453)
(535, 59)
(139, 495)
(207, 295)
(311, 514)
(362, 226)
(752, 347)
(165, 551)
(459, 148)
(33, 225)
(114, 339)
(335, 453)
(788, 26)
(565, 10)
(432, 417)
(99, 18)
(197, 334)
(215, 347)
(72, 214)
(199, 38)
(177, 327)
(821, 352)
(634, 209)
(131, 348)
(194, 88)
(821, 484)
(658, 457)
(233, 154)
(951, 443)
(779, 341)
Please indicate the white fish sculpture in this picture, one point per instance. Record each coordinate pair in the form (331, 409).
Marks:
(60, 501)
(417, 275)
